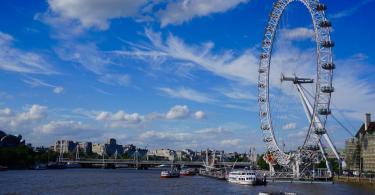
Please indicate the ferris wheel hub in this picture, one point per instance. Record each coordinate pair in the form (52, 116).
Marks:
(296, 80)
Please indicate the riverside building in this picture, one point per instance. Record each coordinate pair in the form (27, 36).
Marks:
(360, 150)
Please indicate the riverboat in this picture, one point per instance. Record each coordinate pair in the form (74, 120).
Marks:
(244, 177)
(172, 173)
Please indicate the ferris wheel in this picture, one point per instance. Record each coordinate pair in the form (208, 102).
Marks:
(316, 108)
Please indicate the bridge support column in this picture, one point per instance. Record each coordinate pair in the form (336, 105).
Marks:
(296, 172)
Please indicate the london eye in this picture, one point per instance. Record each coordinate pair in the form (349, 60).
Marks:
(315, 102)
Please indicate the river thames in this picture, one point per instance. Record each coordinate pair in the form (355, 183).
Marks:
(129, 181)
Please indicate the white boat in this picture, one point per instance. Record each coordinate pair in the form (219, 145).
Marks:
(173, 173)
(244, 177)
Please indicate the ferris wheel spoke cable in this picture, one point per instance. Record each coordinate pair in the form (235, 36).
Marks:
(333, 116)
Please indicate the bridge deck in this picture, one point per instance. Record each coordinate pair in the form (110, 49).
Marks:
(145, 162)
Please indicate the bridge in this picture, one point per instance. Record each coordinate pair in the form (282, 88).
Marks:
(147, 163)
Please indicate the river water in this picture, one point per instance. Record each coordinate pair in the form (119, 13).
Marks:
(130, 181)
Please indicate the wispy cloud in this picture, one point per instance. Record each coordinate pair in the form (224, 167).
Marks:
(351, 10)
(16, 60)
(178, 12)
(238, 94)
(33, 82)
(186, 93)
(240, 68)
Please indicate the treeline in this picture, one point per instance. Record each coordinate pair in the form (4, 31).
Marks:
(23, 157)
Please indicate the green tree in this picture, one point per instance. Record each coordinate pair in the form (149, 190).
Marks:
(262, 163)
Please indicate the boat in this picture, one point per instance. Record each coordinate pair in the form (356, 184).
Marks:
(187, 172)
(162, 166)
(245, 177)
(173, 173)
(211, 169)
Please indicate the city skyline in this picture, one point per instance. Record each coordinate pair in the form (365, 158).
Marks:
(167, 74)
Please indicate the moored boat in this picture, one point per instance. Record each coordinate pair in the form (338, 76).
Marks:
(170, 174)
(187, 172)
(244, 177)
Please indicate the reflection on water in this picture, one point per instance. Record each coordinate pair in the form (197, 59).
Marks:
(128, 181)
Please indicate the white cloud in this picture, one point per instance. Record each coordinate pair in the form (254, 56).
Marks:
(178, 112)
(96, 13)
(199, 115)
(297, 33)
(58, 90)
(180, 11)
(11, 119)
(62, 127)
(17, 60)
(289, 126)
(186, 93)
(165, 136)
(354, 92)
(103, 116)
(217, 130)
(120, 119)
(33, 82)
(231, 142)
(35, 112)
(5, 112)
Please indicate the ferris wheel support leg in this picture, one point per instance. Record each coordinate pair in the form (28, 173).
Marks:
(296, 172)
(309, 112)
(325, 136)
(328, 164)
(271, 168)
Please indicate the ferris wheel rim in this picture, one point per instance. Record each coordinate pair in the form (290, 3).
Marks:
(324, 76)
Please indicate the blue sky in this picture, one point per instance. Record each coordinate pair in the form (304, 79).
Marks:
(170, 73)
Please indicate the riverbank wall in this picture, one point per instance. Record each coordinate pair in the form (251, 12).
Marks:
(354, 180)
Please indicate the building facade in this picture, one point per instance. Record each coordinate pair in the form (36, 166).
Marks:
(110, 148)
(360, 150)
(98, 149)
(85, 147)
(162, 154)
(65, 146)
